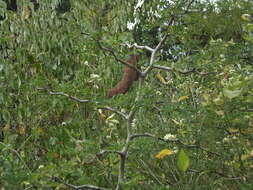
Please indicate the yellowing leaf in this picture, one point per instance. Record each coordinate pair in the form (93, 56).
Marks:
(25, 13)
(183, 161)
(246, 17)
(182, 98)
(218, 101)
(244, 157)
(160, 78)
(219, 112)
(40, 130)
(176, 122)
(102, 116)
(233, 130)
(21, 129)
(163, 153)
(6, 127)
(231, 93)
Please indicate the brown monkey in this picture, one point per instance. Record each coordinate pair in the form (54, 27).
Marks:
(129, 76)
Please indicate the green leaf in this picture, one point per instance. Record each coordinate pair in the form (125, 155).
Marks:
(183, 161)
(232, 93)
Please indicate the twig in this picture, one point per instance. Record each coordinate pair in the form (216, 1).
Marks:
(115, 111)
(64, 94)
(141, 47)
(181, 72)
(108, 151)
(86, 186)
(142, 135)
(247, 110)
(172, 70)
(84, 101)
(151, 172)
(200, 147)
(29, 187)
(17, 154)
(219, 173)
(152, 58)
(176, 141)
(113, 53)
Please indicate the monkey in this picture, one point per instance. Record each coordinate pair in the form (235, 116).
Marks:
(129, 76)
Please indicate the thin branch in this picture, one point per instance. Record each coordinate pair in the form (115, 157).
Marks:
(124, 116)
(92, 187)
(141, 47)
(187, 8)
(64, 94)
(152, 58)
(123, 155)
(219, 173)
(172, 70)
(247, 110)
(181, 72)
(29, 187)
(142, 135)
(200, 147)
(17, 154)
(151, 172)
(176, 141)
(108, 151)
(113, 53)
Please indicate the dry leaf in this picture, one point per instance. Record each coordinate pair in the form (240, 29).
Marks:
(161, 79)
(182, 98)
(25, 13)
(6, 127)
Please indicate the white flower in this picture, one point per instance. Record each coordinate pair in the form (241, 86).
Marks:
(226, 139)
(86, 63)
(94, 76)
(139, 4)
(175, 149)
(133, 124)
(170, 137)
(111, 121)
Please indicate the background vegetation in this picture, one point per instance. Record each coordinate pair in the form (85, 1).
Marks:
(191, 123)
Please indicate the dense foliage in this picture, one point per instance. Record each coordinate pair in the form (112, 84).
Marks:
(193, 113)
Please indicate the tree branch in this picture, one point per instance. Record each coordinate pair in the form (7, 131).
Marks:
(64, 94)
(141, 47)
(124, 116)
(86, 186)
(113, 54)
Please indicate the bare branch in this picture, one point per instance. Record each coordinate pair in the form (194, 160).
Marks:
(187, 8)
(108, 151)
(182, 72)
(160, 43)
(115, 111)
(219, 173)
(151, 172)
(29, 187)
(171, 69)
(141, 47)
(64, 94)
(92, 187)
(142, 135)
(198, 146)
(152, 59)
(176, 141)
(249, 110)
(17, 154)
(111, 51)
